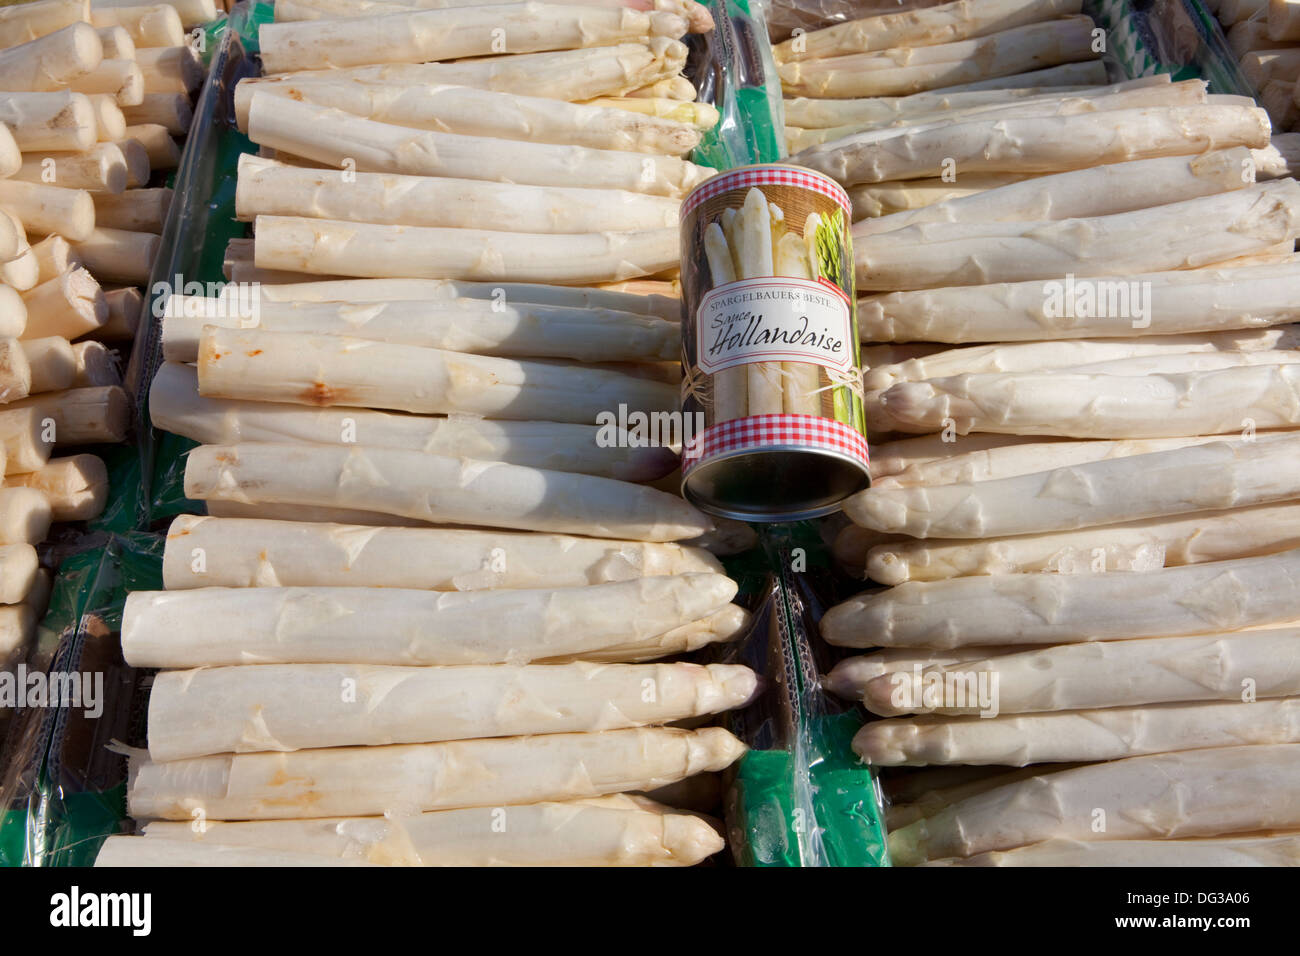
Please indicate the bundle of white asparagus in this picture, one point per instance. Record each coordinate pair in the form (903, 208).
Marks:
(420, 486)
(1080, 516)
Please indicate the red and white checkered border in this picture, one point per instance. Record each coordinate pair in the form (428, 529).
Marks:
(762, 431)
(766, 176)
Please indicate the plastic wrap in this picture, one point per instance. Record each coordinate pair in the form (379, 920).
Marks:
(62, 775)
(1167, 36)
(786, 16)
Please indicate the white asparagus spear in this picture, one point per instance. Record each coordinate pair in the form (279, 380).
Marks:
(1169, 363)
(286, 707)
(473, 112)
(161, 149)
(1038, 144)
(1081, 354)
(17, 629)
(1231, 12)
(474, 326)
(699, 116)
(325, 370)
(176, 406)
(1077, 735)
(124, 307)
(391, 290)
(439, 489)
(18, 567)
(76, 486)
(723, 626)
(908, 69)
(137, 162)
(1236, 666)
(1100, 191)
(117, 43)
(1162, 303)
(1261, 67)
(850, 677)
(96, 365)
(331, 247)
(23, 432)
(193, 12)
(1205, 477)
(269, 188)
(121, 79)
(52, 362)
(25, 22)
(148, 26)
(809, 113)
(25, 516)
(1278, 158)
(52, 61)
(871, 200)
(924, 27)
(1199, 793)
(1169, 542)
(169, 110)
(59, 121)
(110, 122)
(234, 552)
(911, 462)
(136, 210)
(285, 124)
(262, 511)
(102, 168)
(54, 256)
(1229, 852)
(456, 34)
(120, 851)
(23, 271)
(15, 371)
(1014, 608)
(69, 306)
(1237, 223)
(697, 14)
(171, 69)
(82, 416)
(401, 626)
(568, 75)
(1102, 406)
(119, 255)
(601, 831)
(411, 777)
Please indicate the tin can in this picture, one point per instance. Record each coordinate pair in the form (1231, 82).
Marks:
(772, 367)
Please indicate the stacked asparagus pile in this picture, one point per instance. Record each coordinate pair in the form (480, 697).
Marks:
(78, 147)
(395, 690)
(1264, 37)
(1089, 554)
(895, 68)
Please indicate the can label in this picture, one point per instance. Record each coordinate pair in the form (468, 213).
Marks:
(774, 320)
(769, 336)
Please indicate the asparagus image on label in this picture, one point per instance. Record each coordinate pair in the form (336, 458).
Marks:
(1012, 608)
(439, 489)
(1198, 793)
(616, 830)
(248, 709)
(1078, 735)
(306, 625)
(232, 552)
(412, 777)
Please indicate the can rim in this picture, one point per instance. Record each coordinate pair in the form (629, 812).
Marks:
(778, 174)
